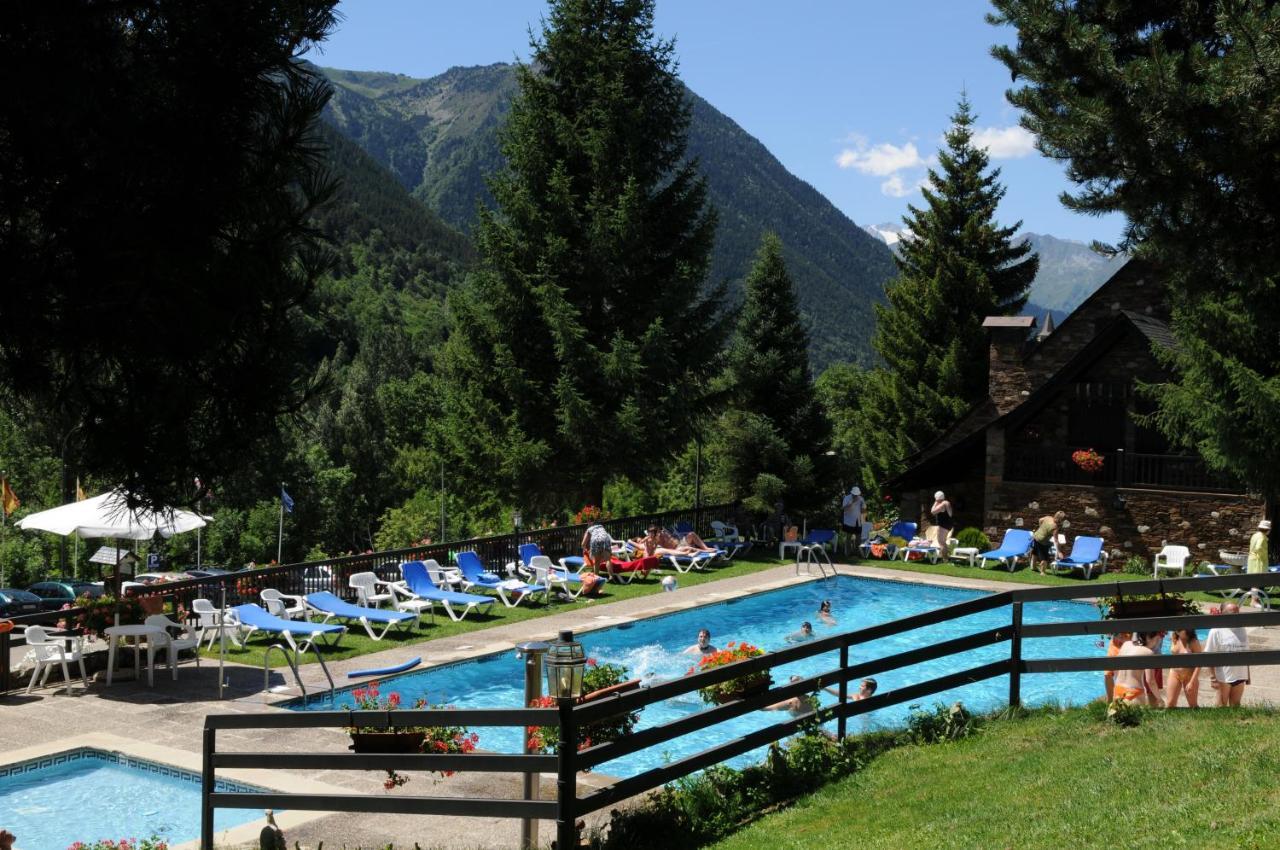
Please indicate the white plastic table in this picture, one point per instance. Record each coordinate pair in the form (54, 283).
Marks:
(969, 553)
(150, 634)
(788, 544)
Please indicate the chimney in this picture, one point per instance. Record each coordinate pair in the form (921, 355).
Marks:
(1007, 379)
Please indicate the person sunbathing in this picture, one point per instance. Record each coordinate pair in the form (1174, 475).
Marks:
(693, 541)
(665, 544)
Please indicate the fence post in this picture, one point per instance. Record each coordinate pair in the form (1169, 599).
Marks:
(567, 778)
(206, 788)
(842, 722)
(1015, 658)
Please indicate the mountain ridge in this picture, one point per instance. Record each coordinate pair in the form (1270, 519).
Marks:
(438, 136)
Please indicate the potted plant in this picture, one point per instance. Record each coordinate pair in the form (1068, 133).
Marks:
(99, 613)
(1146, 605)
(599, 680)
(1087, 459)
(743, 686)
(405, 739)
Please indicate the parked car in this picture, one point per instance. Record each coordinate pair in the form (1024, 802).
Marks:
(14, 602)
(207, 572)
(58, 592)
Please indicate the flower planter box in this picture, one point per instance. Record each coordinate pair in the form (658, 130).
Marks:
(750, 690)
(387, 742)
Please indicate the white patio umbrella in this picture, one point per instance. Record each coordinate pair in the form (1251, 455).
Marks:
(107, 515)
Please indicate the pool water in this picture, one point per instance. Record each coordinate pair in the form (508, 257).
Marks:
(652, 650)
(87, 794)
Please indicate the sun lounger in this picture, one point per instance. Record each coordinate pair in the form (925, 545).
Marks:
(417, 592)
(1086, 553)
(254, 619)
(685, 563)
(331, 606)
(927, 549)
(545, 573)
(511, 591)
(1016, 544)
(901, 528)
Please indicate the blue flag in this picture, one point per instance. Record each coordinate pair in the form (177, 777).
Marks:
(286, 500)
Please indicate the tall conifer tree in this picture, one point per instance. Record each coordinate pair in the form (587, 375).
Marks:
(1166, 112)
(582, 347)
(957, 267)
(776, 427)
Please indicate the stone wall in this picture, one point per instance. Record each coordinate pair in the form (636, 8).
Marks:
(1148, 519)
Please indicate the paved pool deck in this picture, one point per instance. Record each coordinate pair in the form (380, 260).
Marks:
(166, 722)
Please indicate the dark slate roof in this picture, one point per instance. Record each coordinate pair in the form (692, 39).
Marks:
(1156, 331)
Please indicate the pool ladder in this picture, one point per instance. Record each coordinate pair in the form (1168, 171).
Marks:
(293, 665)
(815, 554)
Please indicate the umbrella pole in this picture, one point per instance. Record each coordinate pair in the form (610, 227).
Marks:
(222, 639)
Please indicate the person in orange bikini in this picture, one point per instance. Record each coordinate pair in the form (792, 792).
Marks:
(1184, 680)
(1113, 649)
(1137, 685)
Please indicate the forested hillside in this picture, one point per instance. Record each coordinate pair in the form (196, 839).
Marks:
(439, 138)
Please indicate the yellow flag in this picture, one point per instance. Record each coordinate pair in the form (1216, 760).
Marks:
(80, 496)
(9, 500)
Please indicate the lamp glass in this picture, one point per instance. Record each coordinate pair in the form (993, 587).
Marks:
(565, 662)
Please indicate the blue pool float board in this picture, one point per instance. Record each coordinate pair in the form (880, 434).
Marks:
(386, 671)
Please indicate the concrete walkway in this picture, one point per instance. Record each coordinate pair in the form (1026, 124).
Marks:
(166, 722)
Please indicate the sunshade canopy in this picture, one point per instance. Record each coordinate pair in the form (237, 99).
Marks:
(108, 516)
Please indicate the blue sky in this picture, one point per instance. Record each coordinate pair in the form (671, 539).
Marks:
(851, 96)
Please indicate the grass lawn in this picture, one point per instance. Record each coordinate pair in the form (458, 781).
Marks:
(1055, 780)
(356, 641)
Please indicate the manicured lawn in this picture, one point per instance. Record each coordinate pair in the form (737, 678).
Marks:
(356, 641)
(1194, 779)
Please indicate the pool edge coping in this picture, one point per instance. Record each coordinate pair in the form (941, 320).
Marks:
(190, 762)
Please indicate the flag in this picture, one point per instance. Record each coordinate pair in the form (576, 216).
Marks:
(80, 496)
(286, 500)
(9, 500)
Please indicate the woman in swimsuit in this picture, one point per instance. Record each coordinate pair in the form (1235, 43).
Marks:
(1185, 680)
(1137, 685)
(1113, 649)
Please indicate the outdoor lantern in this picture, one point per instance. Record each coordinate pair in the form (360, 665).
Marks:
(565, 661)
(516, 518)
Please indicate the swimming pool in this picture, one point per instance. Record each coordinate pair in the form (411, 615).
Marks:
(652, 650)
(87, 794)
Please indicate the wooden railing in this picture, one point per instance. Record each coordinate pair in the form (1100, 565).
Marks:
(570, 717)
(1119, 469)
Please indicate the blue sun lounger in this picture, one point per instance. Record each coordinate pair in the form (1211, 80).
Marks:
(421, 592)
(332, 606)
(1086, 553)
(510, 591)
(254, 619)
(1016, 544)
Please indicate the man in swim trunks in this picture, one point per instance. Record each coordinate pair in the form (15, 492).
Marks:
(703, 646)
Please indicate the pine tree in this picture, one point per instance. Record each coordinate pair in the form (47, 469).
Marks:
(957, 267)
(1166, 112)
(583, 347)
(777, 426)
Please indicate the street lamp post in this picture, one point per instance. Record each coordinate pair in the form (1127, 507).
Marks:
(65, 498)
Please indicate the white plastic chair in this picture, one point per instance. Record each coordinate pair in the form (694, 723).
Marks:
(46, 652)
(283, 605)
(366, 588)
(210, 625)
(445, 578)
(188, 639)
(1171, 559)
(544, 572)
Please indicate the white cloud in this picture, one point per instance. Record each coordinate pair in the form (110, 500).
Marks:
(896, 187)
(1005, 142)
(880, 160)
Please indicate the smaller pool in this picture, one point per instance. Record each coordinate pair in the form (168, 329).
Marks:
(88, 794)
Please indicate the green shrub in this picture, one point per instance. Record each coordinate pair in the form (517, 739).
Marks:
(1124, 713)
(1137, 565)
(943, 723)
(973, 538)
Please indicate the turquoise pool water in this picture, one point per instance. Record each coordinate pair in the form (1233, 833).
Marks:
(87, 794)
(652, 650)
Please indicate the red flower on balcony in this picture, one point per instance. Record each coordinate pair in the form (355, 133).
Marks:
(1087, 459)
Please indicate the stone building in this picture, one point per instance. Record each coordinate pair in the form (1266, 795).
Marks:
(1054, 391)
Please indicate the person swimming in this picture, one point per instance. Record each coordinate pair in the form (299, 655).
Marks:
(824, 613)
(703, 646)
(803, 636)
(798, 706)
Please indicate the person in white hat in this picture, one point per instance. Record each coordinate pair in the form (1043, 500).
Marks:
(854, 510)
(1258, 557)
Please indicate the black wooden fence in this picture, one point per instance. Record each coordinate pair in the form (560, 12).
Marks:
(569, 806)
